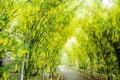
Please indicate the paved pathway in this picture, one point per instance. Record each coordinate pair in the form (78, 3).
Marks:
(70, 74)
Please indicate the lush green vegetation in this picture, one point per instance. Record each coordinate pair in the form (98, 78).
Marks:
(34, 34)
(96, 44)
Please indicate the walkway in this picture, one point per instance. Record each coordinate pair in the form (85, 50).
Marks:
(70, 74)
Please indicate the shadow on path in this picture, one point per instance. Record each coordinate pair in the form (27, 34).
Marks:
(70, 74)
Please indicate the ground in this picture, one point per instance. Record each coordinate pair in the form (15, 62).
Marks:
(70, 74)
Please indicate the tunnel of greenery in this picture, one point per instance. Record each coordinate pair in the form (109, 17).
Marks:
(38, 35)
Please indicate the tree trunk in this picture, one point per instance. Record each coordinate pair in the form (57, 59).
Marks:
(0, 63)
(118, 57)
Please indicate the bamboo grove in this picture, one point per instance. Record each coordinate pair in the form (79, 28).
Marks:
(36, 31)
(96, 44)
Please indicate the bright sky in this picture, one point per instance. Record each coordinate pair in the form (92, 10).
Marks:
(71, 40)
(105, 3)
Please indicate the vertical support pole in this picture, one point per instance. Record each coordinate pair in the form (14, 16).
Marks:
(22, 70)
(43, 68)
(24, 56)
